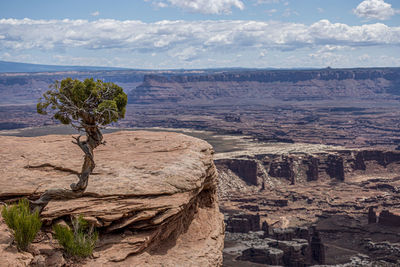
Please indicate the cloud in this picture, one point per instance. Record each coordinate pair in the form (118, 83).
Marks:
(95, 14)
(204, 6)
(188, 54)
(364, 58)
(270, 12)
(331, 48)
(289, 12)
(325, 32)
(374, 9)
(161, 4)
(20, 34)
(181, 43)
(268, 2)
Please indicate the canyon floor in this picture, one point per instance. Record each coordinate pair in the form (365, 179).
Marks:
(346, 122)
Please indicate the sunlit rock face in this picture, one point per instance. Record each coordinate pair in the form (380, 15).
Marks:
(152, 196)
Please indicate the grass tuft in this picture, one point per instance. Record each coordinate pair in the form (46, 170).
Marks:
(80, 241)
(23, 223)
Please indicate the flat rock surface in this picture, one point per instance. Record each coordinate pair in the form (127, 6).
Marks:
(147, 191)
(143, 163)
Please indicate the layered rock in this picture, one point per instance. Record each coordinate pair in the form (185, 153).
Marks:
(316, 162)
(149, 196)
(256, 247)
(242, 223)
(244, 86)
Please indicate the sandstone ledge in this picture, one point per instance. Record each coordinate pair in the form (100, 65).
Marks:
(152, 195)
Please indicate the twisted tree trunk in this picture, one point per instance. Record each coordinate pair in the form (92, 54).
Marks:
(93, 139)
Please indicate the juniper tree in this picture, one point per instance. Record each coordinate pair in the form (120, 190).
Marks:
(86, 106)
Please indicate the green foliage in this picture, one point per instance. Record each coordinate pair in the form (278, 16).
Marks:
(77, 242)
(84, 103)
(24, 224)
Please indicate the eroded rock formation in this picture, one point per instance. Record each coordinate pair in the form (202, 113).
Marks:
(390, 219)
(242, 223)
(152, 197)
(338, 191)
(301, 166)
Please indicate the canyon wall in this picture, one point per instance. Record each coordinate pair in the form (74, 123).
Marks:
(260, 86)
(303, 167)
(209, 86)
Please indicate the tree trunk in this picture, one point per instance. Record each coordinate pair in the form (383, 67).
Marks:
(93, 139)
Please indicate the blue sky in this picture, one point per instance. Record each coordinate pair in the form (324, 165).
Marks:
(160, 34)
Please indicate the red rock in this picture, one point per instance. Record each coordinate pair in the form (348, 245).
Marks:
(159, 188)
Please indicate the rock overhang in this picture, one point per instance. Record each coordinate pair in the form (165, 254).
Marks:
(147, 188)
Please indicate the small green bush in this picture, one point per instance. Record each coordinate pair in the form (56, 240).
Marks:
(23, 223)
(77, 242)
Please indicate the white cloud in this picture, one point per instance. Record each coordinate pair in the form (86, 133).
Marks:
(184, 42)
(364, 58)
(374, 9)
(325, 32)
(263, 2)
(161, 4)
(95, 14)
(167, 35)
(270, 12)
(289, 12)
(205, 6)
(188, 54)
(331, 48)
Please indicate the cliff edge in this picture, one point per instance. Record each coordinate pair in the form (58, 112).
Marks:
(152, 197)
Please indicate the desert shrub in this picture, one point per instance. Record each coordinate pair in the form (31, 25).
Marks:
(23, 223)
(79, 241)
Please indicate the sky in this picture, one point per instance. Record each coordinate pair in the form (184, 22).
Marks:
(192, 34)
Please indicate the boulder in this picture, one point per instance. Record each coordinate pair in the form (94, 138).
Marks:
(152, 195)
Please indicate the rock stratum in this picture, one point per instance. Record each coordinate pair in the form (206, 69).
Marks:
(259, 86)
(217, 86)
(152, 197)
